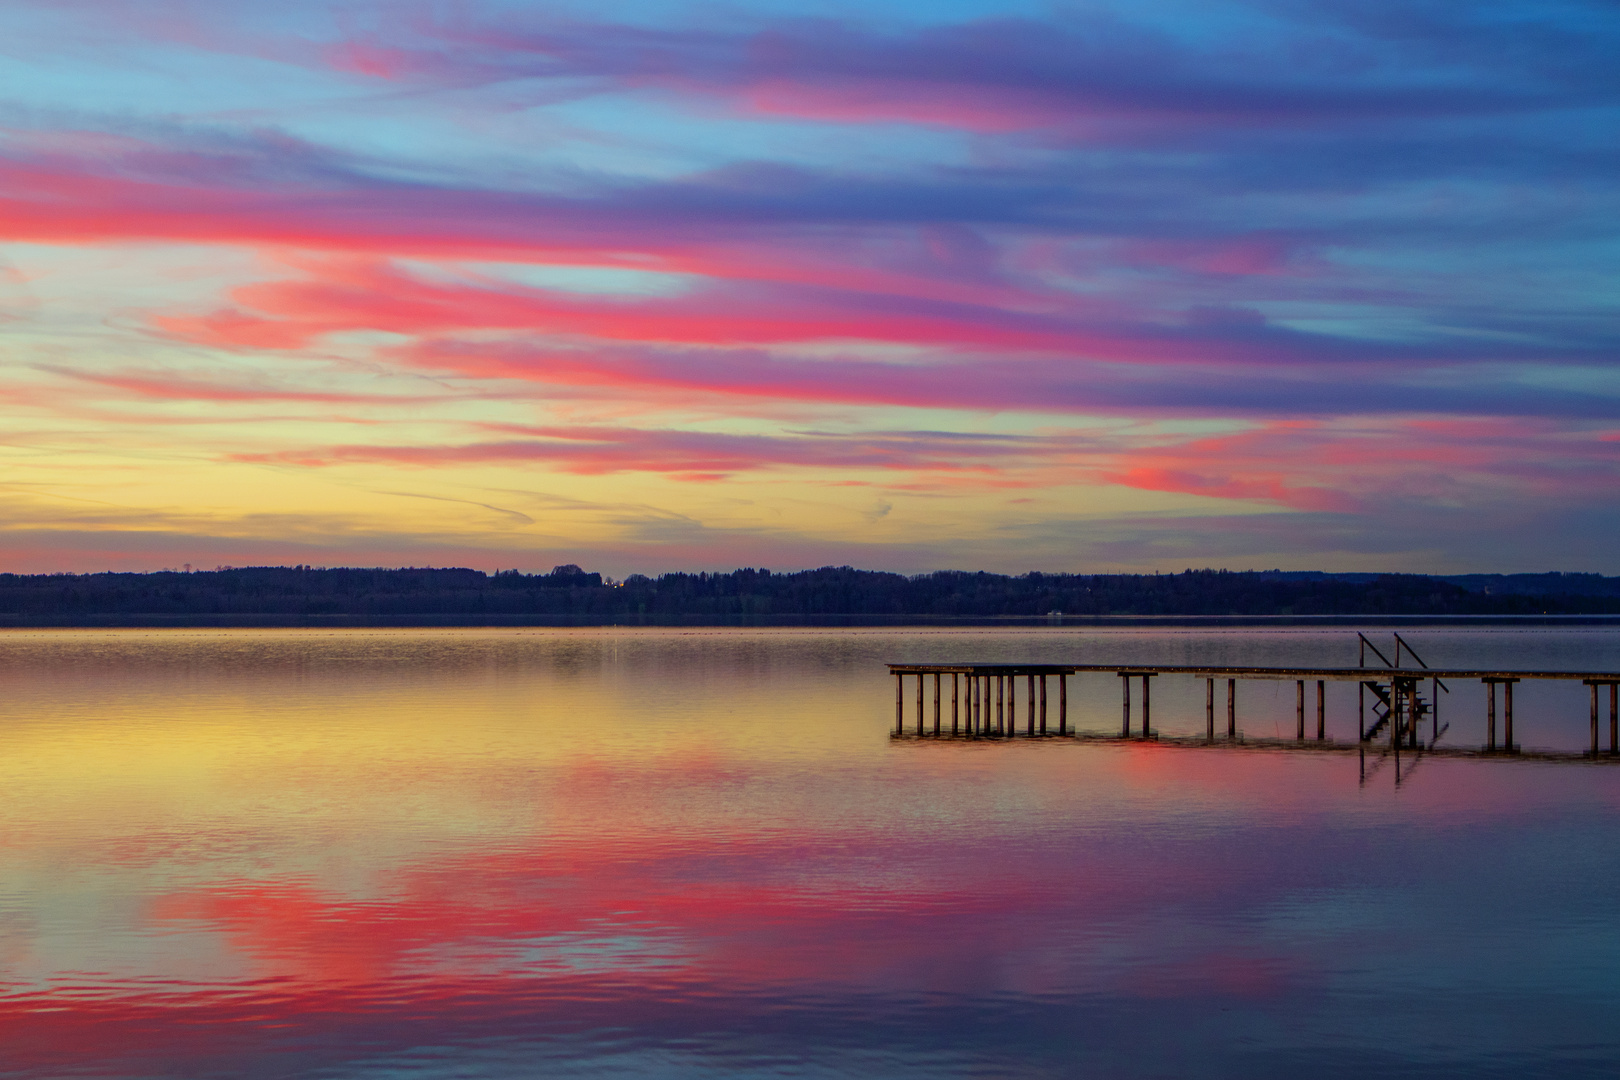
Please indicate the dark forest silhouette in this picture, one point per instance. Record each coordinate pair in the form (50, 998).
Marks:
(574, 595)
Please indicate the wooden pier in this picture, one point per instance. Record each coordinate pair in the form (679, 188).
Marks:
(984, 700)
(984, 697)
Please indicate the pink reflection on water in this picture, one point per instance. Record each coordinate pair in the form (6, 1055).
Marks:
(392, 881)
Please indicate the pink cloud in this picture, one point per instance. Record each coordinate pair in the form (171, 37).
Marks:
(684, 454)
(291, 313)
(1347, 467)
(933, 104)
(371, 295)
(1315, 467)
(161, 386)
(1273, 488)
(89, 188)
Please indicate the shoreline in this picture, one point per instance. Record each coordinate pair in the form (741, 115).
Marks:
(898, 622)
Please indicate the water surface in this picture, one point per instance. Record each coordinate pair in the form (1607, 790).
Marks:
(682, 852)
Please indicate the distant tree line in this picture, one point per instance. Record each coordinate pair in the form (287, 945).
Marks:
(570, 594)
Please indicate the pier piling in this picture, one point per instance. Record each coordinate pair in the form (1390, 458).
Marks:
(1490, 715)
(1614, 712)
(899, 702)
(1434, 697)
(991, 708)
(1412, 715)
(936, 702)
(1507, 715)
(1594, 687)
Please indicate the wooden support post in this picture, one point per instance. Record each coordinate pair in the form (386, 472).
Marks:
(1231, 708)
(1031, 689)
(1507, 715)
(1209, 708)
(1490, 714)
(1413, 726)
(1063, 707)
(1299, 708)
(919, 703)
(1397, 732)
(1594, 687)
(1434, 709)
(1412, 714)
(1125, 681)
(1146, 707)
(1321, 710)
(1043, 704)
(899, 703)
(954, 678)
(1361, 708)
(1614, 718)
(936, 702)
(1001, 704)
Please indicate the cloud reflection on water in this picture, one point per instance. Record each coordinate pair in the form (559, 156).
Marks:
(442, 853)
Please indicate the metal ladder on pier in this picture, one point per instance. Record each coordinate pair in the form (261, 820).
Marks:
(1399, 703)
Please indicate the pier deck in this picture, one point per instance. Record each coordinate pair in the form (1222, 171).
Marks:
(1350, 674)
(984, 698)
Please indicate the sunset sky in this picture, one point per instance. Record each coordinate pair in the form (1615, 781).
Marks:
(654, 286)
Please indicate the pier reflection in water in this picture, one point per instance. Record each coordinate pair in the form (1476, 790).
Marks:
(659, 853)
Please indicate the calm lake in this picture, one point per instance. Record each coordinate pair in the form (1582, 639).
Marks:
(665, 853)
